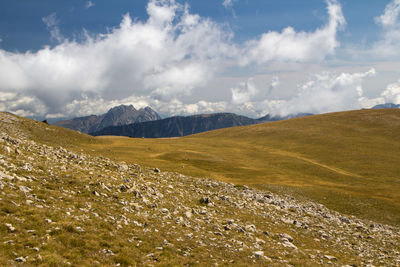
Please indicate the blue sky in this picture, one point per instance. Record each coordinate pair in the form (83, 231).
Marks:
(22, 28)
(253, 57)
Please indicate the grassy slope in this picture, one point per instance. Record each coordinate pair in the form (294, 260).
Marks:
(348, 161)
(57, 190)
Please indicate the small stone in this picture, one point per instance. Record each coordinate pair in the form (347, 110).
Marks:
(288, 244)
(25, 189)
(251, 228)
(156, 170)
(205, 200)
(286, 237)
(188, 214)
(259, 254)
(164, 210)
(260, 241)
(123, 188)
(344, 220)
(123, 167)
(48, 220)
(330, 257)
(7, 149)
(10, 227)
(20, 259)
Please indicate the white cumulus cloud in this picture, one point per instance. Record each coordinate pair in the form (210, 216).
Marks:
(324, 92)
(159, 62)
(390, 15)
(297, 46)
(388, 44)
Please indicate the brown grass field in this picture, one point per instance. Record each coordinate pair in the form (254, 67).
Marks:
(348, 161)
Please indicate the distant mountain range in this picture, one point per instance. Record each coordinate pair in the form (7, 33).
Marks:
(127, 121)
(178, 126)
(120, 115)
(387, 105)
(182, 126)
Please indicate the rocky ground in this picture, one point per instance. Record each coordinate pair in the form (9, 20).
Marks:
(61, 207)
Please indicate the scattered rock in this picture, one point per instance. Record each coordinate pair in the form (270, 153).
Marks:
(25, 189)
(330, 257)
(138, 205)
(205, 200)
(251, 228)
(286, 237)
(164, 210)
(259, 254)
(123, 167)
(20, 259)
(10, 227)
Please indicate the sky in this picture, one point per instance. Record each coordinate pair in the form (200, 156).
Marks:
(63, 59)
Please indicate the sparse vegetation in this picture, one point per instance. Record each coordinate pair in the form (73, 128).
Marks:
(347, 161)
(65, 200)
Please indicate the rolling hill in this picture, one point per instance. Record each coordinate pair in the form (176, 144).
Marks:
(68, 199)
(347, 161)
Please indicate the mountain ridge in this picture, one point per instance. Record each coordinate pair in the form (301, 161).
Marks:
(177, 126)
(118, 115)
(386, 105)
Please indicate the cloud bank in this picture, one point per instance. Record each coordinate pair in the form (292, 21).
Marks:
(167, 60)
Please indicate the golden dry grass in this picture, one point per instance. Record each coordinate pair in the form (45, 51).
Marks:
(349, 161)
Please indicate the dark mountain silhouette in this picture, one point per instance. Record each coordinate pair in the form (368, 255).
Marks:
(178, 126)
(182, 126)
(120, 115)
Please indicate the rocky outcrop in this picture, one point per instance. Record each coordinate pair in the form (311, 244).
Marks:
(120, 115)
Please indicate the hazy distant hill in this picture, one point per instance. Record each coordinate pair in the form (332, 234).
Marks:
(178, 126)
(387, 105)
(120, 115)
(268, 117)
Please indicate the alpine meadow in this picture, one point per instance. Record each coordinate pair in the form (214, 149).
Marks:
(200, 133)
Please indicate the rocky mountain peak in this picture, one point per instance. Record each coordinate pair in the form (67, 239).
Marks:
(121, 109)
(116, 116)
